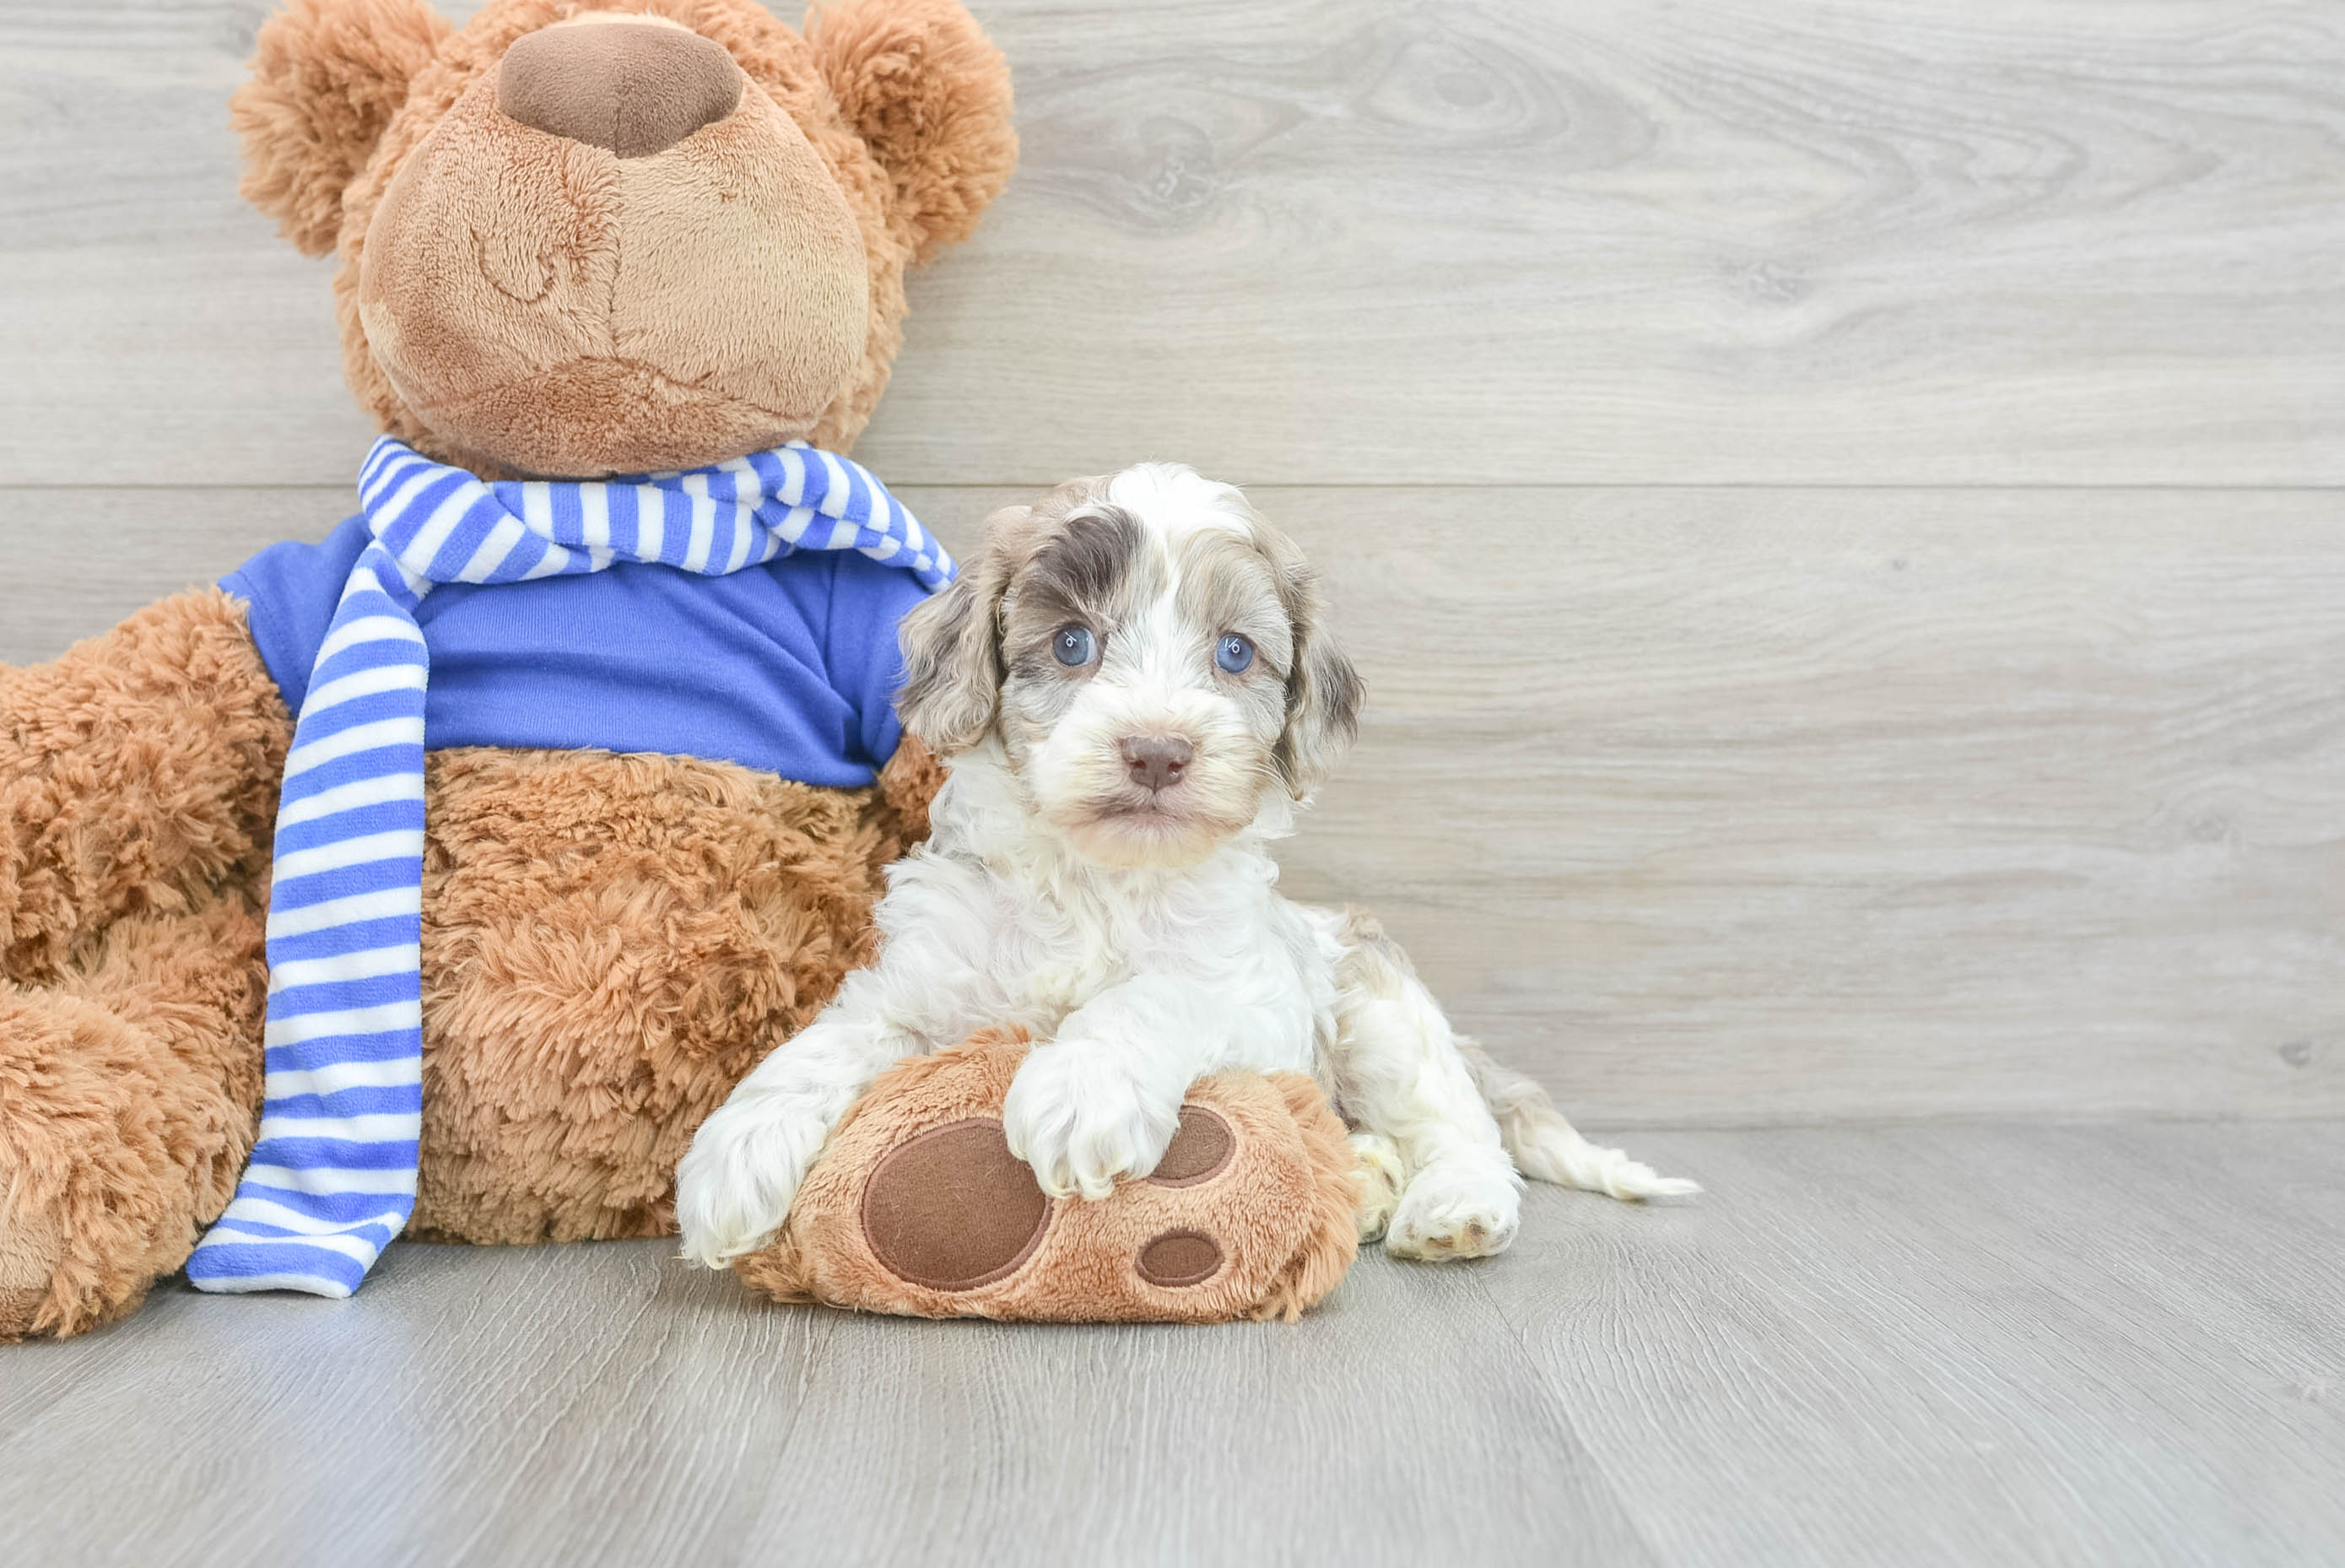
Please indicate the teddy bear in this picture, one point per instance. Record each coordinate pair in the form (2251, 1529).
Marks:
(573, 241)
(619, 284)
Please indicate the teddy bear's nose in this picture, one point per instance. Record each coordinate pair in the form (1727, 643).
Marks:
(633, 87)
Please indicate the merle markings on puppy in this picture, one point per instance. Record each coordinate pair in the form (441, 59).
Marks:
(1134, 692)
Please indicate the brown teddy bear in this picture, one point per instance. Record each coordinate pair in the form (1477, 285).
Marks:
(273, 977)
(573, 241)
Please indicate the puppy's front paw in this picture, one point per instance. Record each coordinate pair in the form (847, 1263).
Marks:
(734, 1187)
(1081, 1118)
(1455, 1209)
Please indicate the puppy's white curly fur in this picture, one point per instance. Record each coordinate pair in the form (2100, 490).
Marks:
(1129, 920)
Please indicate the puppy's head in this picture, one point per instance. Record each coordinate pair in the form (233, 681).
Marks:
(1147, 650)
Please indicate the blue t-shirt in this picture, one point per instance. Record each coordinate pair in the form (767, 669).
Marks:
(791, 667)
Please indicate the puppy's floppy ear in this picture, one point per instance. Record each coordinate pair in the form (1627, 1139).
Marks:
(929, 93)
(1323, 690)
(952, 644)
(326, 76)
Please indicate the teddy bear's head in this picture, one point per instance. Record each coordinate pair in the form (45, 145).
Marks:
(579, 239)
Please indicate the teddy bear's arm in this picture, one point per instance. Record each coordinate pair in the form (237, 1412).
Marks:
(138, 772)
(897, 818)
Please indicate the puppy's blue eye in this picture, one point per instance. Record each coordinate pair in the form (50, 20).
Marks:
(1073, 645)
(1234, 654)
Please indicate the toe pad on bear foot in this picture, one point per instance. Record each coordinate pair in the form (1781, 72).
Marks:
(953, 1208)
(918, 1207)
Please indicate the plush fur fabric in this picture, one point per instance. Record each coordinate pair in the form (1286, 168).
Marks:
(925, 91)
(610, 943)
(1275, 1224)
(327, 78)
(138, 786)
(138, 773)
(129, 1093)
(903, 107)
(552, 307)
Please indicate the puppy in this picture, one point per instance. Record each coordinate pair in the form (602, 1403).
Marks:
(1133, 693)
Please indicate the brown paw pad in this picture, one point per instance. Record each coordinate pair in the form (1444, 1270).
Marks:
(1179, 1258)
(953, 1208)
(1198, 1151)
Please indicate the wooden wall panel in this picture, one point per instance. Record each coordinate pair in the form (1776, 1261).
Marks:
(1735, 806)
(1335, 241)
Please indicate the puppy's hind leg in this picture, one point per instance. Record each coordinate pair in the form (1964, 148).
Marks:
(1380, 1176)
(1399, 1075)
(1549, 1148)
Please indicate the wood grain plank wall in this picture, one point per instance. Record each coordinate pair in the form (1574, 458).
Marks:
(1790, 241)
(1836, 505)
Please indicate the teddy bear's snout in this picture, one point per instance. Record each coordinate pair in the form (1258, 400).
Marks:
(633, 90)
(612, 254)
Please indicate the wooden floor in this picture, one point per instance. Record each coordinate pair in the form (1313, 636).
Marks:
(1867, 1346)
(1841, 510)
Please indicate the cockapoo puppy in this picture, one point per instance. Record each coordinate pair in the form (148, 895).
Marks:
(1133, 693)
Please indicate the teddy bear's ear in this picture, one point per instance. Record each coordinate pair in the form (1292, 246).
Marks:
(326, 76)
(929, 95)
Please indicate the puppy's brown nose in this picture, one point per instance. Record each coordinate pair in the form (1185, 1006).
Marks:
(1156, 761)
(635, 87)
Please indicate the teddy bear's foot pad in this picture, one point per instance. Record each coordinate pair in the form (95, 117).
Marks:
(954, 1210)
(918, 1207)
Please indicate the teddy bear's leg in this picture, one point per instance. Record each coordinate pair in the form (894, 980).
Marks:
(138, 777)
(138, 772)
(130, 1093)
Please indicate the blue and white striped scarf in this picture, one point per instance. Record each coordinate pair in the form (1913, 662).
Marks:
(333, 1177)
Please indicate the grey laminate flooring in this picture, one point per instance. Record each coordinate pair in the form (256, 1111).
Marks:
(1973, 1344)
